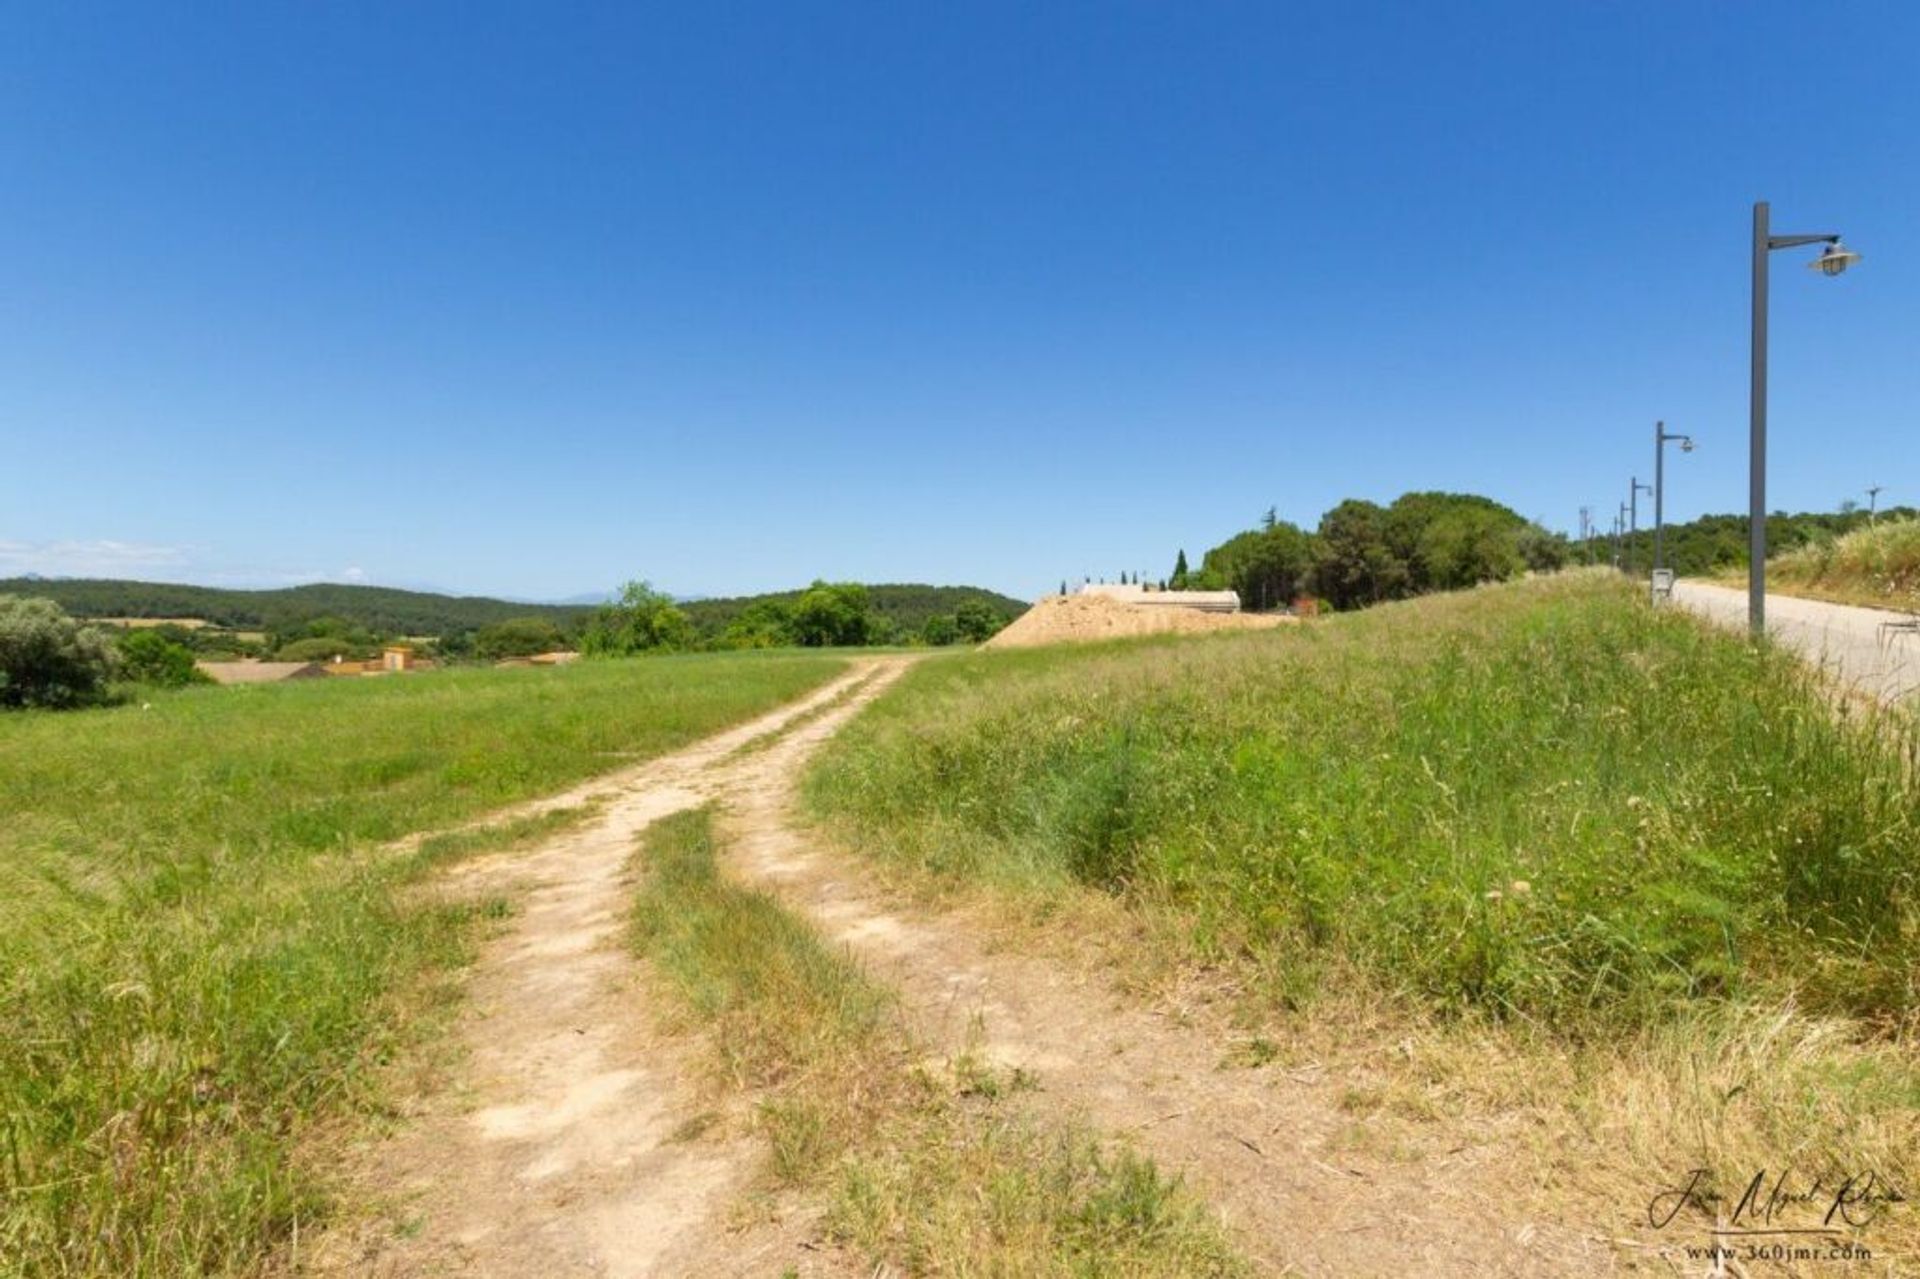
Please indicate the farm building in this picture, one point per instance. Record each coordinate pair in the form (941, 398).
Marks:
(1139, 596)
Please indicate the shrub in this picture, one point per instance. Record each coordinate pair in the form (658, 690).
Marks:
(150, 657)
(48, 659)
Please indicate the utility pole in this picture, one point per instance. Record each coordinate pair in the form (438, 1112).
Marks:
(1873, 499)
(1586, 531)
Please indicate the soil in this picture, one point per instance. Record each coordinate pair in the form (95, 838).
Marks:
(568, 1140)
(1067, 619)
(560, 1147)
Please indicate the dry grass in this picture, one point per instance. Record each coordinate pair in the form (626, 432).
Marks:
(1874, 567)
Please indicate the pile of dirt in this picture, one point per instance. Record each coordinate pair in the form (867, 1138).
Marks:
(1069, 619)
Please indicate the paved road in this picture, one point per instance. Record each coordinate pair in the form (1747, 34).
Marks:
(1846, 640)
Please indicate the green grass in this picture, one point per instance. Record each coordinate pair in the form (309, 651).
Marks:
(1539, 801)
(938, 1171)
(203, 957)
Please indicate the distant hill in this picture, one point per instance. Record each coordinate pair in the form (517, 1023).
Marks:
(908, 604)
(389, 611)
(381, 609)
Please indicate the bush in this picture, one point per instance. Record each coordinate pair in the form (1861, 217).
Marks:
(48, 659)
(518, 637)
(149, 657)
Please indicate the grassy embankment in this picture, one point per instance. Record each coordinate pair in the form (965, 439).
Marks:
(937, 1169)
(204, 952)
(1877, 567)
(1597, 862)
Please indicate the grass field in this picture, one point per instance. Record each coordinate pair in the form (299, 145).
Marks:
(1538, 800)
(1876, 567)
(1546, 847)
(932, 1169)
(203, 954)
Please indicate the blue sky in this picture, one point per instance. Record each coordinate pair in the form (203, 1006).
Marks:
(530, 299)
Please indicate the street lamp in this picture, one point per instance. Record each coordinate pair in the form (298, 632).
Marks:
(1833, 259)
(1873, 499)
(1661, 437)
(1633, 513)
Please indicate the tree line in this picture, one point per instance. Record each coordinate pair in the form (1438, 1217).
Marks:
(1364, 553)
(1717, 543)
(825, 615)
(324, 621)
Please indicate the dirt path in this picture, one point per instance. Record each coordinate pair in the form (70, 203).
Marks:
(555, 1151)
(1267, 1148)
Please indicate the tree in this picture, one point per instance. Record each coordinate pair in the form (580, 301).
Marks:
(321, 637)
(1180, 571)
(149, 657)
(1466, 547)
(762, 624)
(1356, 565)
(321, 648)
(1268, 567)
(978, 621)
(518, 637)
(1541, 550)
(48, 659)
(832, 614)
(940, 630)
(643, 620)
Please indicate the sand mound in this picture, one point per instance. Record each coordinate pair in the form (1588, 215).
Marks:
(1068, 619)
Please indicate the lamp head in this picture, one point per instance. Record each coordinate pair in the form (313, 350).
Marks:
(1686, 444)
(1834, 259)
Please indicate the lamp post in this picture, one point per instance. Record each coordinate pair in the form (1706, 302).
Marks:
(1661, 437)
(1873, 500)
(1633, 513)
(1833, 259)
